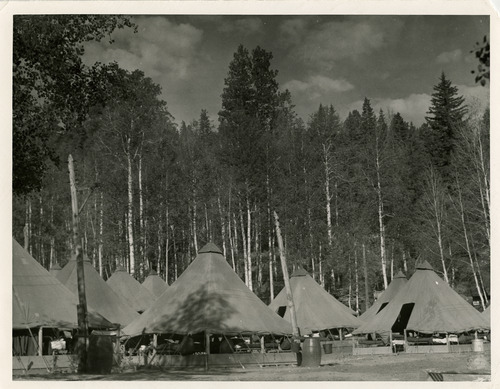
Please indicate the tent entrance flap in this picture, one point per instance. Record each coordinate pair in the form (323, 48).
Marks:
(404, 316)
(382, 306)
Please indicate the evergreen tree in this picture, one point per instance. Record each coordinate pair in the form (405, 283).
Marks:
(399, 128)
(446, 115)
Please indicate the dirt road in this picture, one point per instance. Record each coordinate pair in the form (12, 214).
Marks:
(402, 367)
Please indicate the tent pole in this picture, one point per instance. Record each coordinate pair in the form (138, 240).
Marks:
(406, 339)
(207, 349)
(40, 341)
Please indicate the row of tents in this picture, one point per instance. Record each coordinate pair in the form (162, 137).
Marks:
(209, 297)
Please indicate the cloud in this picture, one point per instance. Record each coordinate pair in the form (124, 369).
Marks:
(317, 86)
(413, 108)
(160, 47)
(449, 56)
(245, 26)
(322, 45)
(291, 31)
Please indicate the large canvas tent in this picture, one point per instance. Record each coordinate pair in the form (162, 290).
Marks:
(126, 286)
(40, 300)
(387, 295)
(426, 304)
(155, 284)
(487, 314)
(315, 308)
(100, 296)
(209, 297)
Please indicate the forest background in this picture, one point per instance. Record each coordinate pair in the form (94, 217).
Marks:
(359, 197)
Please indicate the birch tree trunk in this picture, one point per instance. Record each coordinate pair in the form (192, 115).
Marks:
(467, 245)
(222, 225)
(130, 219)
(320, 267)
(244, 242)
(381, 220)
(41, 253)
(328, 207)
(271, 269)
(101, 232)
(350, 283)
(480, 276)
(193, 222)
(235, 240)
(249, 246)
(311, 242)
(142, 223)
(365, 268)
(356, 282)
(167, 242)
(257, 251)
(52, 258)
(435, 199)
(270, 239)
(27, 234)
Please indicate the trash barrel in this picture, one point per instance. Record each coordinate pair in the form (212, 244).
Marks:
(328, 347)
(477, 345)
(311, 352)
(100, 354)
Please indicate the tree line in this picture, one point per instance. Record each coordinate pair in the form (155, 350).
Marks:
(358, 197)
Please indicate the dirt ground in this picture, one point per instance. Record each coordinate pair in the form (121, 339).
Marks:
(402, 367)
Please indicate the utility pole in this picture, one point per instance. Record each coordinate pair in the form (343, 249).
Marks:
(289, 296)
(77, 252)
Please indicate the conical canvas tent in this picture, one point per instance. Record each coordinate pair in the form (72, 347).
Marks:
(100, 296)
(209, 297)
(387, 295)
(155, 284)
(126, 286)
(315, 308)
(40, 300)
(426, 304)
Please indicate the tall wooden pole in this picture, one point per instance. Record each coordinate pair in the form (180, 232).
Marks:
(77, 252)
(284, 268)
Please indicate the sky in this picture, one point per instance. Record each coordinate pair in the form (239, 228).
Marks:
(336, 60)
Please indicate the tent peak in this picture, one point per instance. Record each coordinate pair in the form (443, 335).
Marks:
(55, 266)
(210, 248)
(120, 268)
(300, 272)
(424, 266)
(400, 274)
(153, 273)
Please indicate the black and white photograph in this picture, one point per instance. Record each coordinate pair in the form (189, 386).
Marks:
(275, 192)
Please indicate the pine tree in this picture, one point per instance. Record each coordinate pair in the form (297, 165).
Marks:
(399, 128)
(446, 114)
